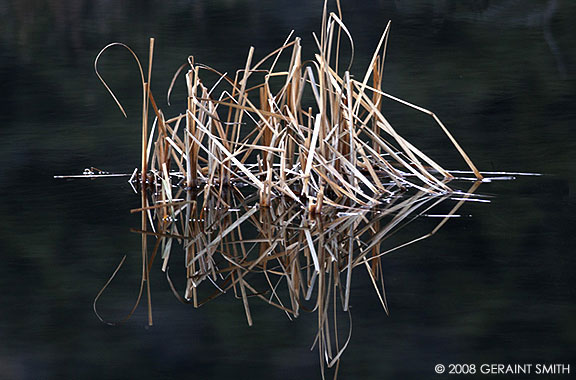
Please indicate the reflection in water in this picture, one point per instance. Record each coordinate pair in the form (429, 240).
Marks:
(283, 255)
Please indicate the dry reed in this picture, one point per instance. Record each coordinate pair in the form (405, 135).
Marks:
(333, 180)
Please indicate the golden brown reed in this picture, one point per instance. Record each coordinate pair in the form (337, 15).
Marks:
(333, 179)
(306, 132)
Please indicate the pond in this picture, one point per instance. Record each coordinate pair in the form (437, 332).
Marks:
(494, 285)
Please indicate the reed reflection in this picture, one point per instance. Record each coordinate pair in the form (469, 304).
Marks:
(283, 255)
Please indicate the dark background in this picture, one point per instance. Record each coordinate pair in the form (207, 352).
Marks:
(495, 287)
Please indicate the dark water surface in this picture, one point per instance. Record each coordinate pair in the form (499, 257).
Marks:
(496, 286)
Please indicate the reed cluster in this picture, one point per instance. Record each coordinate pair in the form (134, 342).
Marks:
(332, 179)
(310, 131)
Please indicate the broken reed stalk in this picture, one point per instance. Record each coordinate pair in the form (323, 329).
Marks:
(144, 171)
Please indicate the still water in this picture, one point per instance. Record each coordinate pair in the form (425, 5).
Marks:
(493, 286)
